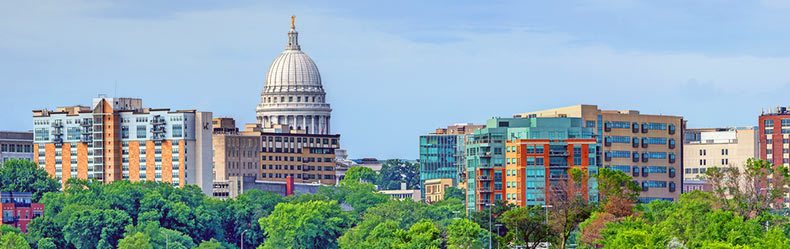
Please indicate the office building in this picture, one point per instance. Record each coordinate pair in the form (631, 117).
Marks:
(235, 154)
(717, 147)
(442, 154)
(18, 209)
(117, 139)
(649, 147)
(16, 145)
(307, 158)
(514, 159)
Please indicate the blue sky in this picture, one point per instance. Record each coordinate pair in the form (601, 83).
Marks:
(396, 69)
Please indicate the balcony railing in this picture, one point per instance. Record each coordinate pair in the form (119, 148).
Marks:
(484, 178)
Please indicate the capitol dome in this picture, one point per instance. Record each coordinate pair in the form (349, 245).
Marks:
(292, 94)
(293, 70)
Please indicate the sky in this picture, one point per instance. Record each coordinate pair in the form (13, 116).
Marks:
(394, 70)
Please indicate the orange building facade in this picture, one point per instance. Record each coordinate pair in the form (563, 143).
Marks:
(534, 164)
(116, 139)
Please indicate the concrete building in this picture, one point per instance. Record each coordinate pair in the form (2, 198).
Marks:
(499, 168)
(293, 94)
(434, 189)
(718, 147)
(236, 185)
(18, 209)
(442, 154)
(117, 139)
(403, 194)
(16, 145)
(235, 154)
(649, 147)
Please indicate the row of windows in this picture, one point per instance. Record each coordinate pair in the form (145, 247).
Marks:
(771, 131)
(300, 140)
(297, 159)
(296, 167)
(291, 99)
(16, 148)
(297, 176)
(635, 125)
(770, 122)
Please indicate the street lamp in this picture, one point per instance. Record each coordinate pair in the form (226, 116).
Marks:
(547, 220)
(490, 206)
(241, 239)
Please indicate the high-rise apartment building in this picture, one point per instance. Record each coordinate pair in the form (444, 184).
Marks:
(649, 147)
(16, 145)
(514, 159)
(117, 139)
(718, 147)
(774, 134)
(442, 154)
(235, 154)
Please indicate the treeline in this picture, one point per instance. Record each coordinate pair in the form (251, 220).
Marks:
(352, 215)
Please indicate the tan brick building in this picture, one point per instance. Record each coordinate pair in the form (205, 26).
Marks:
(235, 154)
(305, 157)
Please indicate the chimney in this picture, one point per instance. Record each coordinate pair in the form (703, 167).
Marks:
(289, 186)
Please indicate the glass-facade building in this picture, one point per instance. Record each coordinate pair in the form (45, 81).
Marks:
(441, 157)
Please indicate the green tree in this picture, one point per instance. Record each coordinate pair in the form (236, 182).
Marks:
(464, 234)
(45, 228)
(525, 225)
(453, 192)
(244, 213)
(96, 228)
(313, 224)
(46, 243)
(359, 173)
(10, 240)
(211, 244)
(750, 192)
(19, 175)
(138, 240)
(423, 234)
(396, 171)
(616, 183)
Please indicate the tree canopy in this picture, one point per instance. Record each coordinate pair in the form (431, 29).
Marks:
(19, 175)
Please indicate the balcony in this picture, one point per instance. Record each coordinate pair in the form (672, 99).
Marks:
(484, 190)
(487, 154)
(558, 153)
(671, 173)
(484, 178)
(483, 202)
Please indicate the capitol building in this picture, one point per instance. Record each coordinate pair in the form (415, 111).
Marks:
(293, 95)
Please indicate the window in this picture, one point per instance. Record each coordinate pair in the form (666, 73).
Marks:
(656, 126)
(656, 140)
(621, 154)
(768, 123)
(141, 133)
(769, 131)
(177, 130)
(785, 122)
(621, 139)
(589, 123)
(657, 155)
(621, 124)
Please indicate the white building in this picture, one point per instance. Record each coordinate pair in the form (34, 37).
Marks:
(293, 94)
